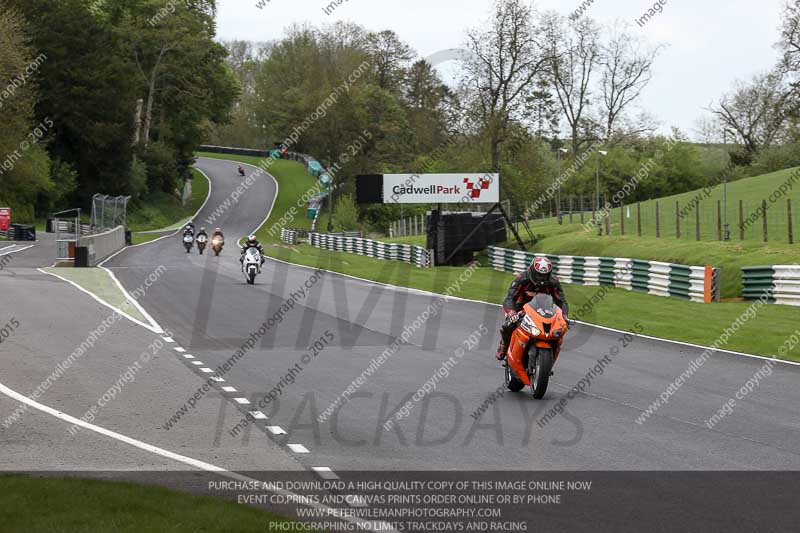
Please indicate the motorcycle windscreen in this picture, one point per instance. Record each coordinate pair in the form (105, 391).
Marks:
(544, 305)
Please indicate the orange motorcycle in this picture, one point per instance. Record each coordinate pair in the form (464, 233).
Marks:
(535, 346)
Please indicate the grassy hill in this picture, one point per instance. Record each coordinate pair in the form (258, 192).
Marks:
(577, 239)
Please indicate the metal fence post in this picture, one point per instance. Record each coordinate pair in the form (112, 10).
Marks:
(571, 207)
(764, 215)
(789, 215)
(741, 220)
(697, 221)
(639, 218)
(719, 220)
(677, 219)
(658, 220)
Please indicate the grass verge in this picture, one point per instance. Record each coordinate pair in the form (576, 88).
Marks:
(98, 282)
(661, 317)
(54, 505)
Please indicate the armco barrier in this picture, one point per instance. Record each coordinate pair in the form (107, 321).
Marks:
(102, 245)
(781, 282)
(698, 284)
(391, 251)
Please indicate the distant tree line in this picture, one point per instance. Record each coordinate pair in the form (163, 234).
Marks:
(530, 83)
(131, 88)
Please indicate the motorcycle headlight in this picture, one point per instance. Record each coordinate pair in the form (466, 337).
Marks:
(529, 326)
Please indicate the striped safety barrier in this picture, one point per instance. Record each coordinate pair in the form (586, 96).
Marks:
(389, 251)
(780, 283)
(698, 284)
(289, 236)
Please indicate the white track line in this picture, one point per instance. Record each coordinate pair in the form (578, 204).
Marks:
(206, 371)
(258, 415)
(168, 339)
(325, 473)
(298, 448)
(195, 463)
(276, 430)
(9, 252)
(411, 290)
(135, 302)
(179, 349)
(103, 302)
(274, 198)
(242, 401)
(229, 389)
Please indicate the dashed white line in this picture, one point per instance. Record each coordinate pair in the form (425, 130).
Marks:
(200, 465)
(179, 349)
(206, 371)
(258, 415)
(168, 339)
(229, 389)
(276, 430)
(217, 379)
(188, 356)
(298, 448)
(198, 363)
(242, 401)
(324, 472)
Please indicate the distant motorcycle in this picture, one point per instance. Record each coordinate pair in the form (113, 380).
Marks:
(217, 243)
(251, 265)
(202, 240)
(188, 242)
(241, 172)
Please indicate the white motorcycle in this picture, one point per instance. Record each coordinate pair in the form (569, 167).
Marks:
(251, 265)
(202, 240)
(188, 242)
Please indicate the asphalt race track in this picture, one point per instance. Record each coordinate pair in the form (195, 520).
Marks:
(204, 305)
(211, 311)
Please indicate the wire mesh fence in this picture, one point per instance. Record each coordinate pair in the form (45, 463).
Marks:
(108, 212)
(772, 219)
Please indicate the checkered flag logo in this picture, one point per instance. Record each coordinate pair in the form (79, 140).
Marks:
(475, 189)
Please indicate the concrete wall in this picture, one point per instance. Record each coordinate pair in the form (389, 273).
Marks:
(102, 245)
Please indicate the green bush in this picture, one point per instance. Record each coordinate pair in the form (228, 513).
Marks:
(346, 213)
(162, 169)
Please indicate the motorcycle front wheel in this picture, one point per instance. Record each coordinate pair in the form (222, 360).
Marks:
(539, 367)
(512, 382)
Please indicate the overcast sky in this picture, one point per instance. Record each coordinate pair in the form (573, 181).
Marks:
(711, 43)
